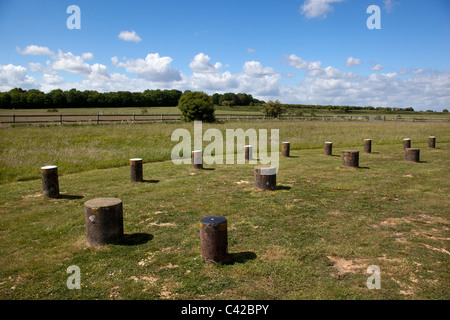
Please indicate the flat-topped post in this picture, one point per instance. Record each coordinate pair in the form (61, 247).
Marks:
(248, 152)
(431, 142)
(136, 171)
(350, 158)
(214, 239)
(328, 148)
(50, 184)
(406, 143)
(285, 149)
(104, 221)
(367, 145)
(265, 177)
(197, 159)
(412, 154)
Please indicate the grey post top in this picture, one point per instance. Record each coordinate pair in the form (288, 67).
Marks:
(213, 221)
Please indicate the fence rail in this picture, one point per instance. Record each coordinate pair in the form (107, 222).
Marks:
(132, 118)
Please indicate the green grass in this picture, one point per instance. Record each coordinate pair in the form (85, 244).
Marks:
(312, 238)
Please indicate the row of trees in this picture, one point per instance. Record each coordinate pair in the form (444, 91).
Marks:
(34, 99)
(233, 99)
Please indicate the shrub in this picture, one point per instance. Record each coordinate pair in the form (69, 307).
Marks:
(196, 105)
(273, 109)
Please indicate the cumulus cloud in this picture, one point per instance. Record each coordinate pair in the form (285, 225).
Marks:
(70, 63)
(299, 63)
(12, 76)
(152, 68)
(317, 8)
(350, 62)
(255, 69)
(34, 50)
(87, 56)
(201, 64)
(131, 36)
(251, 50)
(377, 67)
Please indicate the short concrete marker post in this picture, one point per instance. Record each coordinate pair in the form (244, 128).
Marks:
(367, 145)
(406, 143)
(214, 239)
(328, 148)
(197, 160)
(136, 172)
(286, 149)
(350, 158)
(104, 221)
(248, 152)
(265, 177)
(50, 184)
(432, 142)
(412, 154)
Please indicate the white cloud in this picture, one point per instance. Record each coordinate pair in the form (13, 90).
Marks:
(87, 56)
(70, 63)
(389, 5)
(255, 69)
(251, 50)
(129, 36)
(34, 50)
(317, 8)
(299, 63)
(152, 68)
(377, 67)
(12, 76)
(201, 64)
(350, 62)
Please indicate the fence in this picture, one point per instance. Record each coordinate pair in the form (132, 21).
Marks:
(414, 119)
(132, 118)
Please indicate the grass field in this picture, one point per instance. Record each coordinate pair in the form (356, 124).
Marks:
(312, 238)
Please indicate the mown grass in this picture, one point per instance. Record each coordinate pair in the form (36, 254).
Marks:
(312, 238)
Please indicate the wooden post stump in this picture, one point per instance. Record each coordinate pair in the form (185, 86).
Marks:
(265, 177)
(432, 142)
(367, 145)
(104, 221)
(136, 172)
(412, 154)
(248, 151)
(328, 148)
(406, 143)
(285, 149)
(214, 239)
(197, 160)
(350, 158)
(50, 184)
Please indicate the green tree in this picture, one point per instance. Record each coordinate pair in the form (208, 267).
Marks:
(196, 105)
(273, 109)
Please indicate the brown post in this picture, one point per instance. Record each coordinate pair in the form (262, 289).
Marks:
(406, 143)
(328, 148)
(265, 177)
(285, 149)
(412, 154)
(197, 160)
(350, 158)
(136, 171)
(104, 221)
(432, 142)
(248, 152)
(50, 184)
(214, 239)
(367, 145)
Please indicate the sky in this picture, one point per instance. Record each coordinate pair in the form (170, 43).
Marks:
(295, 51)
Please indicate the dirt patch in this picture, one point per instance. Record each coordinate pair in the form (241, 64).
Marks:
(343, 266)
(242, 181)
(166, 224)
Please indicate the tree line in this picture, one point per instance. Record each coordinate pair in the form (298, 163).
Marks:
(34, 99)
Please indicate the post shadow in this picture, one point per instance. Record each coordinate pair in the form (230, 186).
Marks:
(239, 257)
(135, 239)
(281, 187)
(150, 181)
(69, 197)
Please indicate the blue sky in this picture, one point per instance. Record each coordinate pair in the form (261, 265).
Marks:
(296, 51)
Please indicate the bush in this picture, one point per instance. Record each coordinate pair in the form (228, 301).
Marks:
(196, 105)
(273, 109)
